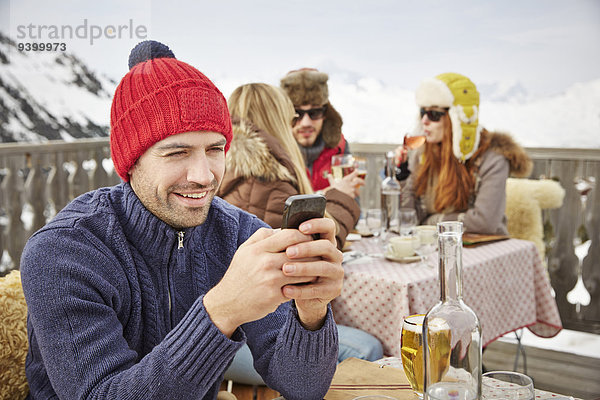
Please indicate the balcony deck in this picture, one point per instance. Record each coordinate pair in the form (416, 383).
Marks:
(37, 180)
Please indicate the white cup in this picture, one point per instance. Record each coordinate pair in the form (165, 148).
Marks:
(402, 246)
(427, 234)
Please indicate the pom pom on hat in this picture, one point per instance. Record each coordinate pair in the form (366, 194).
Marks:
(148, 50)
(457, 93)
(161, 96)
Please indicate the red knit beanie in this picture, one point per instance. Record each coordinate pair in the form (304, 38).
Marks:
(161, 96)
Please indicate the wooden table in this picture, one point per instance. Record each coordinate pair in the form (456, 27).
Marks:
(504, 282)
(354, 377)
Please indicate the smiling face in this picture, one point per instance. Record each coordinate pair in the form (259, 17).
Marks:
(177, 178)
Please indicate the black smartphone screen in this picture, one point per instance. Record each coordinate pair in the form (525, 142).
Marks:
(303, 207)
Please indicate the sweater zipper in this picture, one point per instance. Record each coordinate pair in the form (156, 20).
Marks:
(179, 247)
(180, 235)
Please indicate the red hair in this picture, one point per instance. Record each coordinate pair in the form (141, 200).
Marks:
(456, 180)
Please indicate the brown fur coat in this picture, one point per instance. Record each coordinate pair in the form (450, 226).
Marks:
(259, 177)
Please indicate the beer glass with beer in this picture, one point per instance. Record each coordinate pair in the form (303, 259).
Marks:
(360, 164)
(411, 351)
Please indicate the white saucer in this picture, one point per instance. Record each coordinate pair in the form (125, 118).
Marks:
(409, 259)
(351, 237)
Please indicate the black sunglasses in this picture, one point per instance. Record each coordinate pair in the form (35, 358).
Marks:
(313, 113)
(433, 115)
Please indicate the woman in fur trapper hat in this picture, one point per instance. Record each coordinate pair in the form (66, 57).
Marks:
(460, 173)
(263, 168)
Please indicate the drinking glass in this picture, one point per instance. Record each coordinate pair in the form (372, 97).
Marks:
(360, 164)
(506, 385)
(427, 243)
(342, 165)
(408, 220)
(413, 141)
(411, 351)
(374, 221)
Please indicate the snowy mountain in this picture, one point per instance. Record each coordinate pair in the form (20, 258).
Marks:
(508, 91)
(50, 95)
(53, 95)
(376, 113)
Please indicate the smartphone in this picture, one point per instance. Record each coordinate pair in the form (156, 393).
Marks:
(302, 207)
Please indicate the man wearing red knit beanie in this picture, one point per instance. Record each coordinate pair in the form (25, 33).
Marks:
(147, 289)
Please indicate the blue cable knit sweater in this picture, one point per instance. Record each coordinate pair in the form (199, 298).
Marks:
(115, 308)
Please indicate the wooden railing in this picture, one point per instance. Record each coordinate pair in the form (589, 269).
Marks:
(37, 180)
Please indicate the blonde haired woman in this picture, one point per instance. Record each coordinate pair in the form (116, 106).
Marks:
(264, 165)
(263, 168)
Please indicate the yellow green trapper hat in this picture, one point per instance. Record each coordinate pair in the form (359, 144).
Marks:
(457, 93)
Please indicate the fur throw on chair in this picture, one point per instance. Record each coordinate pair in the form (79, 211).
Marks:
(525, 200)
(13, 337)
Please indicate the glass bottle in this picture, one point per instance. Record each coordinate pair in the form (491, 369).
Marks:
(451, 330)
(390, 197)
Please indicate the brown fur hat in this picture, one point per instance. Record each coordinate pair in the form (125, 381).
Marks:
(308, 86)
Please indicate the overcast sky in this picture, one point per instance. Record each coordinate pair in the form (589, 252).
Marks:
(547, 45)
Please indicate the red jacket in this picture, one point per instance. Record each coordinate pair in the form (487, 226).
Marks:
(322, 165)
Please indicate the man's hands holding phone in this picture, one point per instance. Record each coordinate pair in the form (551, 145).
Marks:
(266, 269)
(320, 264)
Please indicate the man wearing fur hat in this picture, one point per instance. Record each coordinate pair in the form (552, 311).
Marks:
(317, 127)
(461, 171)
(147, 289)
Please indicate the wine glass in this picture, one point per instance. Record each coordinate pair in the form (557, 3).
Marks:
(410, 142)
(427, 243)
(408, 221)
(342, 165)
(374, 221)
(506, 385)
(413, 141)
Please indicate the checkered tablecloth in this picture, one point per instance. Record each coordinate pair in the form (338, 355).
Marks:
(504, 282)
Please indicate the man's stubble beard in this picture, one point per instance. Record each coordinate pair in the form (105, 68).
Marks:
(164, 209)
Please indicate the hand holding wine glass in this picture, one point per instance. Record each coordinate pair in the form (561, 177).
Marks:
(347, 174)
(410, 142)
